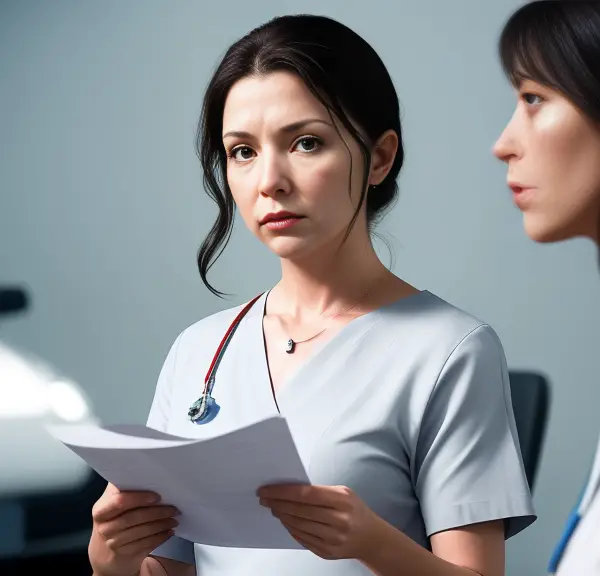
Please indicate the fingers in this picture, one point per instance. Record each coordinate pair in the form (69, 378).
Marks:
(111, 489)
(308, 512)
(316, 513)
(317, 530)
(309, 542)
(140, 533)
(326, 496)
(136, 517)
(128, 526)
(146, 545)
(292, 493)
(113, 503)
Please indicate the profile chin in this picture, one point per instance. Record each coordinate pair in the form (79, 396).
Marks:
(544, 234)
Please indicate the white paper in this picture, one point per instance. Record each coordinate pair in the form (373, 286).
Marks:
(213, 482)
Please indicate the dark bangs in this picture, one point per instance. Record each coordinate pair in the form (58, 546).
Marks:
(557, 44)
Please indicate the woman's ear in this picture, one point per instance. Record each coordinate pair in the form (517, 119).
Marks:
(382, 157)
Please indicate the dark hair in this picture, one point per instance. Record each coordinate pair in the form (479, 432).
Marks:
(557, 44)
(339, 67)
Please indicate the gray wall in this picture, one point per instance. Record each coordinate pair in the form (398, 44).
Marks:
(102, 210)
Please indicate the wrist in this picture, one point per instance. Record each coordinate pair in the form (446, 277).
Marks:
(151, 566)
(96, 572)
(375, 542)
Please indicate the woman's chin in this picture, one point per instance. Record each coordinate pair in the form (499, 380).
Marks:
(542, 235)
(290, 248)
(543, 231)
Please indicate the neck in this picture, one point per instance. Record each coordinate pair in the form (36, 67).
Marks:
(335, 277)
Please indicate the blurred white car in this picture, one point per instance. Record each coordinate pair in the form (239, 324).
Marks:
(46, 491)
(33, 395)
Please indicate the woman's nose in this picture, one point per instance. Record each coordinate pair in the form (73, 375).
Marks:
(274, 177)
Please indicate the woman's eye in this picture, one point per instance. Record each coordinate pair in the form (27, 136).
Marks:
(531, 98)
(307, 144)
(242, 153)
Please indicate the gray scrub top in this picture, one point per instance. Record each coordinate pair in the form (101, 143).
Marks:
(408, 405)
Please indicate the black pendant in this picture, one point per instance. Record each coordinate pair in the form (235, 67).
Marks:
(291, 346)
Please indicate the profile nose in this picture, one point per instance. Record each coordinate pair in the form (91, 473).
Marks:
(506, 146)
(502, 148)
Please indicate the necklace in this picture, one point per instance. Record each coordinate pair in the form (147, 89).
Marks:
(290, 346)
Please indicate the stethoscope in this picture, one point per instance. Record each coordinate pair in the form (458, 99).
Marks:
(205, 409)
(592, 488)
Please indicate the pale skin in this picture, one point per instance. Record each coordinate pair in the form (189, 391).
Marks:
(552, 148)
(127, 527)
(305, 171)
(286, 152)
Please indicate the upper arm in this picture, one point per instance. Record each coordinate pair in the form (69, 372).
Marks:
(153, 566)
(160, 408)
(478, 547)
(469, 467)
(176, 552)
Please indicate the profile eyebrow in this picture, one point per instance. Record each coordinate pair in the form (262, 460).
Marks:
(293, 127)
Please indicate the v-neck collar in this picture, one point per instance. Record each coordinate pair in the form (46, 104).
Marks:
(258, 352)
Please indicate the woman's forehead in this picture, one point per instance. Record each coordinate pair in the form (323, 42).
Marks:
(278, 99)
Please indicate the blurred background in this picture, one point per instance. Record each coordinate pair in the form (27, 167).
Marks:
(102, 211)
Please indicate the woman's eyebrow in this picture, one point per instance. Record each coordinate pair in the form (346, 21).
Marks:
(293, 127)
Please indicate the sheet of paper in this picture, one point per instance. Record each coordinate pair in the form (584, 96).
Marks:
(213, 482)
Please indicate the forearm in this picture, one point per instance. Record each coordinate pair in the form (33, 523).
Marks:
(395, 554)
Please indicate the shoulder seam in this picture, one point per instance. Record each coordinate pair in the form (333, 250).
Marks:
(481, 325)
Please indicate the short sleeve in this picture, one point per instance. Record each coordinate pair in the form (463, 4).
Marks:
(160, 408)
(175, 548)
(469, 467)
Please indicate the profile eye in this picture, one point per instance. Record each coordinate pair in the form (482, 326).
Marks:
(530, 98)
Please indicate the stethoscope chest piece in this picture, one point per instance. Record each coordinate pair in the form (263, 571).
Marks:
(203, 410)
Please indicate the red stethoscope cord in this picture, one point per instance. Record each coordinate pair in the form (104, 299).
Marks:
(205, 408)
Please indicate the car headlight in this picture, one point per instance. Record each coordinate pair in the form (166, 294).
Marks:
(31, 388)
(22, 389)
(66, 401)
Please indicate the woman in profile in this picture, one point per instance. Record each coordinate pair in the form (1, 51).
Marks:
(551, 53)
(399, 403)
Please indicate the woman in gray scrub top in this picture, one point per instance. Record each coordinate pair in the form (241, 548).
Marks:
(551, 53)
(399, 402)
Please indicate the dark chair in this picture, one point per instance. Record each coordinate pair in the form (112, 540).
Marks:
(531, 399)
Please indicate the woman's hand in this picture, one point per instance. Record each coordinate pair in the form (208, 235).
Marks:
(331, 521)
(127, 527)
